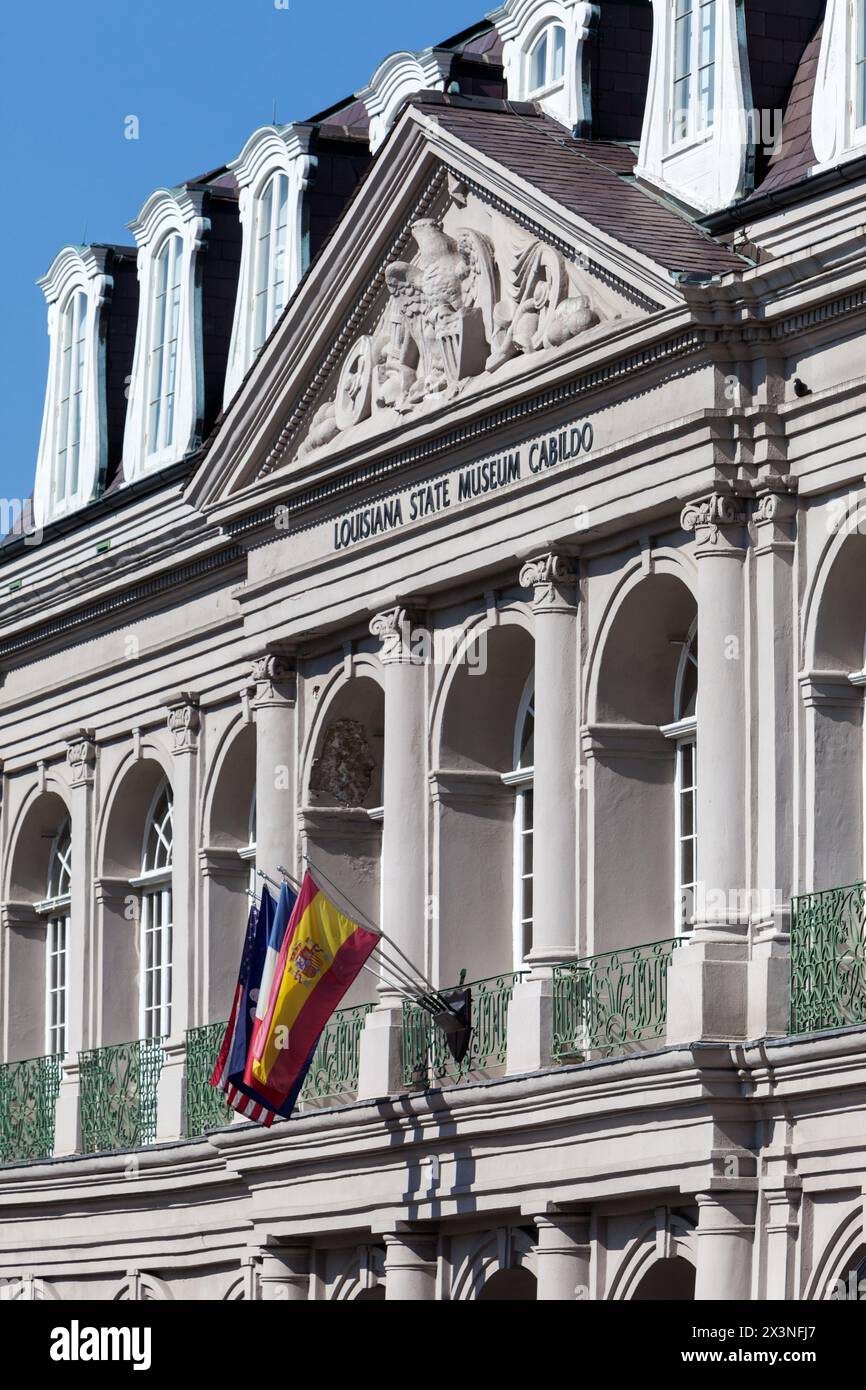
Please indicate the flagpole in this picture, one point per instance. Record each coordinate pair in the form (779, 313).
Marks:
(430, 989)
(402, 981)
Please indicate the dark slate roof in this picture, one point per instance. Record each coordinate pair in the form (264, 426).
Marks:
(594, 179)
(794, 155)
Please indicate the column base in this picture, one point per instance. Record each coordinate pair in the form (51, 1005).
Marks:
(530, 1026)
(380, 1071)
(770, 988)
(708, 991)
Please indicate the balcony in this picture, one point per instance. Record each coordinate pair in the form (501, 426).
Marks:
(118, 1095)
(427, 1060)
(611, 1004)
(828, 959)
(28, 1100)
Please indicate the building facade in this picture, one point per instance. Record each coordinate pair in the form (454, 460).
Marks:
(461, 493)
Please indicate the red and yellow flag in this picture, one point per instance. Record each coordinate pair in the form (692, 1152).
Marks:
(322, 954)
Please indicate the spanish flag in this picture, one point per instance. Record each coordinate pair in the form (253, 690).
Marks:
(322, 954)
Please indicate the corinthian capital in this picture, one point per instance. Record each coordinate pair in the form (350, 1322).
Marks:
(80, 757)
(184, 721)
(553, 577)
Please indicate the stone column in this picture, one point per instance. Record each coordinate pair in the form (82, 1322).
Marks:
(404, 858)
(81, 762)
(410, 1267)
(708, 981)
(553, 579)
(184, 722)
(562, 1258)
(274, 674)
(725, 1242)
(284, 1276)
(781, 1228)
(769, 970)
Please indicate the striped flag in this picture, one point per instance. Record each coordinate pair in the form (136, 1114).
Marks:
(322, 954)
(228, 1074)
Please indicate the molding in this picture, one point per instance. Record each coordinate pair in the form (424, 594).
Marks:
(183, 721)
(396, 79)
(81, 757)
(682, 729)
(625, 741)
(468, 786)
(829, 690)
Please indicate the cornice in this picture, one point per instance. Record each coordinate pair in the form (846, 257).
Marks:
(75, 265)
(166, 208)
(271, 145)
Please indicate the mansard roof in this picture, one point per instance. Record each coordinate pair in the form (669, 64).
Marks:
(795, 156)
(594, 179)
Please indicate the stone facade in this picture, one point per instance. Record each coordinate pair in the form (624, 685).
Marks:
(494, 476)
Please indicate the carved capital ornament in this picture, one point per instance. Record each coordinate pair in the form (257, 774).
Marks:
(553, 577)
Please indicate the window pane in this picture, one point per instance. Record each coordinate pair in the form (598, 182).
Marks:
(558, 54)
(706, 62)
(538, 65)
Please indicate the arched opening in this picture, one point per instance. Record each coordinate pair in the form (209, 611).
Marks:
(374, 1295)
(641, 759)
(135, 903)
(667, 1281)
(342, 816)
(228, 860)
(482, 792)
(510, 1286)
(37, 910)
(834, 723)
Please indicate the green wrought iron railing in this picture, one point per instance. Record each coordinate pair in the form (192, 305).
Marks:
(828, 959)
(426, 1058)
(611, 1003)
(118, 1095)
(333, 1075)
(28, 1101)
(206, 1107)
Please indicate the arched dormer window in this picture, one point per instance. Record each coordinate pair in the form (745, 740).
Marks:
(699, 132)
(273, 173)
(400, 76)
(166, 392)
(684, 733)
(839, 101)
(522, 781)
(73, 443)
(546, 61)
(546, 56)
(156, 917)
(57, 909)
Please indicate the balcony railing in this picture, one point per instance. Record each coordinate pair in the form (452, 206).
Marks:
(334, 1073)
(828, 959)
(28, 1100)
(118, 1095)
(612, 1003)
(206, 1107)
(426, 1058)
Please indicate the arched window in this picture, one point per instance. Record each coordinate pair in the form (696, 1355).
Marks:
(271, 269)
(163, 345)
(684, 732)
(521, 779)
(694, 67)
(156, 917)
(56, 907)
(547, 60)
(70, 391)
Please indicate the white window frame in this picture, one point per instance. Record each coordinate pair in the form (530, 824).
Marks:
(696, 127)
(56, 909)
(163, 347)
(522, 781)
(684, 733)
(167, 213)
(248, 855)
(156, 924)
(271, 268)
(71, 380)
(551, 83)
(857, 99)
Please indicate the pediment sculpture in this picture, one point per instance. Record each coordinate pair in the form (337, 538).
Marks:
(457, 312)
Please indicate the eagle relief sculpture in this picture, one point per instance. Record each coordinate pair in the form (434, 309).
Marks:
(451, 317)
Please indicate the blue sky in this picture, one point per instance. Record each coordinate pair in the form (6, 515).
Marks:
(200, 75)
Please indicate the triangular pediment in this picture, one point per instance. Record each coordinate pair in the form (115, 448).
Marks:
(449, 279)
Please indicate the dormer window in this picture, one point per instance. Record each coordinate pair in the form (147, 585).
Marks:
(162, 356)
(71, 367)
(166, 411)
(547, 61)
(694, 67)
(272, 231)
(859, 102)
(273, 173)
